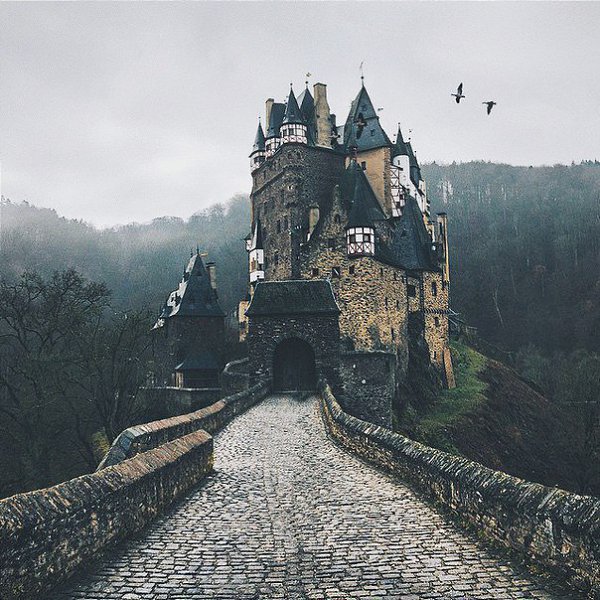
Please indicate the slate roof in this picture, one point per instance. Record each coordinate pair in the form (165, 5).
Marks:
(294, 297)
(275, 119)
(360, 197)
(195, 296)
(292, 110)
(415, 170)
(410, 246)
(307, 105)
(363, 129)
(257, 241)
(200, 359)
(400, 147)
(259, 140)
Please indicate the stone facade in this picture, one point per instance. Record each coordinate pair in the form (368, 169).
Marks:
(556, 528)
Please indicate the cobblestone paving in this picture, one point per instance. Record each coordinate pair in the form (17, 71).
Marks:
(290, 515)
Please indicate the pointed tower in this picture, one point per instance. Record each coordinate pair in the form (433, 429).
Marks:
(364, 213)
(400, 175)
(275, 113)
(293, 127)
(256, 255)
(257, 156)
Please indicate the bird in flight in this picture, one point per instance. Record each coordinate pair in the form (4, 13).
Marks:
(459, 95)
(490, 104)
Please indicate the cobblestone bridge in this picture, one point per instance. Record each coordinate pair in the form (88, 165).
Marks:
(288, 514)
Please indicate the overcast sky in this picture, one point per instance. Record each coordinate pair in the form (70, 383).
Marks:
(114, 112)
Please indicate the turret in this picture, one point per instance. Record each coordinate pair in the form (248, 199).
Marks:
(293, 127)
(442, 246)
(257, 156)
(275, 114)
(256, 255)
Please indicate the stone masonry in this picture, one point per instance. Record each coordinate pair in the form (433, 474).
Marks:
(289, 515)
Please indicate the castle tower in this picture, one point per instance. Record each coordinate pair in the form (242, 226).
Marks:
(275, 114)
(293, 128)
(257, 156)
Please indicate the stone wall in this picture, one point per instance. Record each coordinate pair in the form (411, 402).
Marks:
(265, 333)
(377, 169)
(234, 377)
(550, 526)
(141, 438)
(368, 383)
(45, 535)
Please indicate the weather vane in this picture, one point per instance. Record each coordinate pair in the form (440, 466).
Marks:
(362, 74)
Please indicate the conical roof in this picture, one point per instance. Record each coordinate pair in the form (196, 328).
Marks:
(195, 296)
(307, 105)
(257, 241)
(357, 191)
(415, 170)
(292, 111)
(259, 140)
(275, 119)
(400, 147)
(363, 130)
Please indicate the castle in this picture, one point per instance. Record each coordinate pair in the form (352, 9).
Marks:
(348, 272)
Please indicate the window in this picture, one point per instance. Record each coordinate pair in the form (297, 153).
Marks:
(351, 270)
(436, 320)
(285, 223)
(278, 226)
(381, 272)
(336, 272)
(315, 272)
(395, 276)
(386, 302)
(397, 303)
(337, 219)
(331, 243)
(393, 333)
(276, 258)
(372, 132)
(434, 288)
(363, 164)
(412, 291)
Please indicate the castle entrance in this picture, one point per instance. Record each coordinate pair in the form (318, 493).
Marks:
(294, 366)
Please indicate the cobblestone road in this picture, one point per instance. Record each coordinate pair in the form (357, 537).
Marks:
(290, 515)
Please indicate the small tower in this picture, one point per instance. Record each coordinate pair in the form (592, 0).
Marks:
(364, 211)
(257, 157)
(256, 255)
(293, 127)
(275, 113)
(400, 175)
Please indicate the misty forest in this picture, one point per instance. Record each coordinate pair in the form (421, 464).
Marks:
(77, 304)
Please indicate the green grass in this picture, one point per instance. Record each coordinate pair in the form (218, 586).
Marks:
(452, 405)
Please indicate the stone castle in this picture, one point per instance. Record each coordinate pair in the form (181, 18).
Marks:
(348, 271)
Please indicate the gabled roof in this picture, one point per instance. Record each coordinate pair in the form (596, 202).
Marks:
(257, 241)
(363, 129)
(275, 119)
(400, 147)
(292, 110)
(364, 208)
(259, 140)
(199, 359)
(194, 297)
(293, 297)
(411, 244)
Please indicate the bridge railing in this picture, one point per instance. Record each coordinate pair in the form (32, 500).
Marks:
(556, 528)
(47, 534)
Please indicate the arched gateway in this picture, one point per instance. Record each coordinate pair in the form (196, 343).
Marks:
(294, 366)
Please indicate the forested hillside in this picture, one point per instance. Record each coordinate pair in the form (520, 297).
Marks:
(525, 251)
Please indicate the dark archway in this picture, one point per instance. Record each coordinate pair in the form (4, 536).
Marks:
(294, 366)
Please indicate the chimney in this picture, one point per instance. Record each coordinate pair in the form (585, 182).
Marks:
(268, 106)
(212, 275)
(313, 218)
(322, 115)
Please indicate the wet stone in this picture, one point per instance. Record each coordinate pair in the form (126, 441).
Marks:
(287, 514)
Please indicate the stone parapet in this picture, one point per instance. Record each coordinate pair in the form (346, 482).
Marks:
(141, 438)
(556, 528)
(46, 534)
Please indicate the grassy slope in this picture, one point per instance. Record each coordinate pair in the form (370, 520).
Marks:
(495, 418)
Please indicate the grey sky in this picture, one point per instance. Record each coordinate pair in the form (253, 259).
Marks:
(113, 112)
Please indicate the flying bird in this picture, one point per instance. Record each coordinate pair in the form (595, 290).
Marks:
(490, 104)
(459, 95)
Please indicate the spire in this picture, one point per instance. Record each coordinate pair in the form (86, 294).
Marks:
(259, 140)
(400, 147)
(363, 129)
(292, 110)
(415, 170)
(275, 119)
